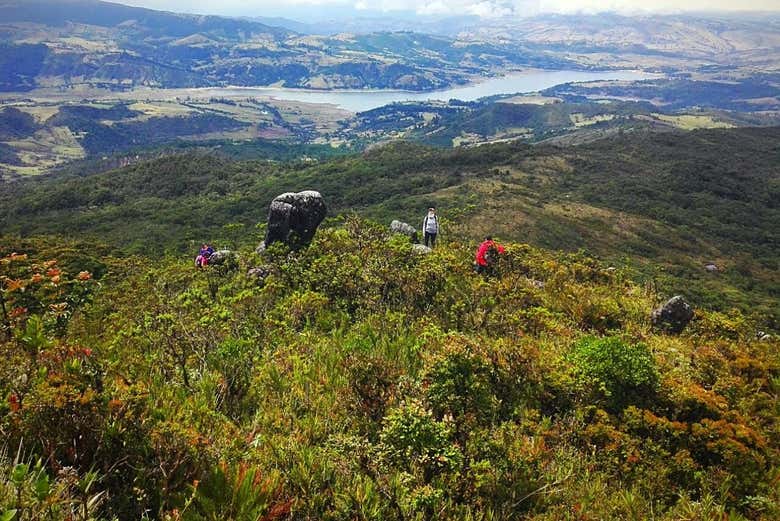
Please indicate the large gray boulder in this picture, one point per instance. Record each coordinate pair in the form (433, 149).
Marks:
(293, 219)
(673, 316)
(403, 228)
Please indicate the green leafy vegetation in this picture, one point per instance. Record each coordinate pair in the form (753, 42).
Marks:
(363, 380)
(664, 204)
(623, 373)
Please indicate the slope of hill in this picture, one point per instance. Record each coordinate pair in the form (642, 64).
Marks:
(668, 203)
(362, 380)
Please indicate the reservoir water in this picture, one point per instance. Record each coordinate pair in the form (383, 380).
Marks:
(361, 100)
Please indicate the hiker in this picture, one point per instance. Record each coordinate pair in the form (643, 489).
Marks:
(430, 227)
(487, 256)
(203, 255)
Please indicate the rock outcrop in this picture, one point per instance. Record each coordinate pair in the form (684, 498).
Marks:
(404, 229)
(293, 219)
(673, 316)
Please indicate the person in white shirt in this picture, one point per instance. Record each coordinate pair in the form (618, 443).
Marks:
(430, 227)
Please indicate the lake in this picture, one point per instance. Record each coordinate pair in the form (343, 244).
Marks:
(361, 100)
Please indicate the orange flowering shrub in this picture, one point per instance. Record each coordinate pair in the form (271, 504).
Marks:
(30, 288)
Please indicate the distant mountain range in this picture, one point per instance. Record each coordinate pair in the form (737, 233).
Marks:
(737, 39)
(80, 44)
(44, 43)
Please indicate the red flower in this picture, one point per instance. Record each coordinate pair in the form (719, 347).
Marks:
(13, 402)
(17, 312)
(84, 276)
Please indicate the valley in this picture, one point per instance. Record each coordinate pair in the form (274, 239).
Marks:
(64, 130)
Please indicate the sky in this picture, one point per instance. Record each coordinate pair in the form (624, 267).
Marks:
(483, 8)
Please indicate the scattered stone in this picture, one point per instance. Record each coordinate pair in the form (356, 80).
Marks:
(293, 219)
(259, 274)
(404, 229)
(539, 284)
(712, 268)
(673, 316)
(421, 249)
(226, 258)
(764, 337)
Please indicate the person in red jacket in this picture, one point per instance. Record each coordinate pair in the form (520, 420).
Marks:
(487, 256)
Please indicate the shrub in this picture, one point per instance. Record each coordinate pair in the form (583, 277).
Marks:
(28, 491)
(235, 493)
(618, 372)
(459, 384)
(412, 439)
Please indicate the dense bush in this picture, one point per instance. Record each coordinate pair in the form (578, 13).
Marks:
(363, 380)
(622, 373)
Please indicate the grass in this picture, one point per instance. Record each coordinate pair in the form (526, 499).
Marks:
(693, 121)
(47, 148)
(152, 109)
(581, 120)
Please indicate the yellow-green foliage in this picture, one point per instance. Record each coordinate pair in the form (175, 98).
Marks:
(364, 380)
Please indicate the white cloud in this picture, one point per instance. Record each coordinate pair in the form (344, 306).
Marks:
(484, 8)
(436, 7)
(636, 6)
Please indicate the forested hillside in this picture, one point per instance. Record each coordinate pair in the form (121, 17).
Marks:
(667, 204)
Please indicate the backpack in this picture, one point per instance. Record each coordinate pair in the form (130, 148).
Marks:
(491, 255)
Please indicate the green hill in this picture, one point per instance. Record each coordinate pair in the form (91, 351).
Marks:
(665, 204)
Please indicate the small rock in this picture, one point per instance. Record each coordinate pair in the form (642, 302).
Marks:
(421, 249)
(764, 337)
(226, 258)
(260, 273)
(404, 229)
(673, 316)
(712, 268)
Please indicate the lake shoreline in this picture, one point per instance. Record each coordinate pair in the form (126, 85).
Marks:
(351, 100)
